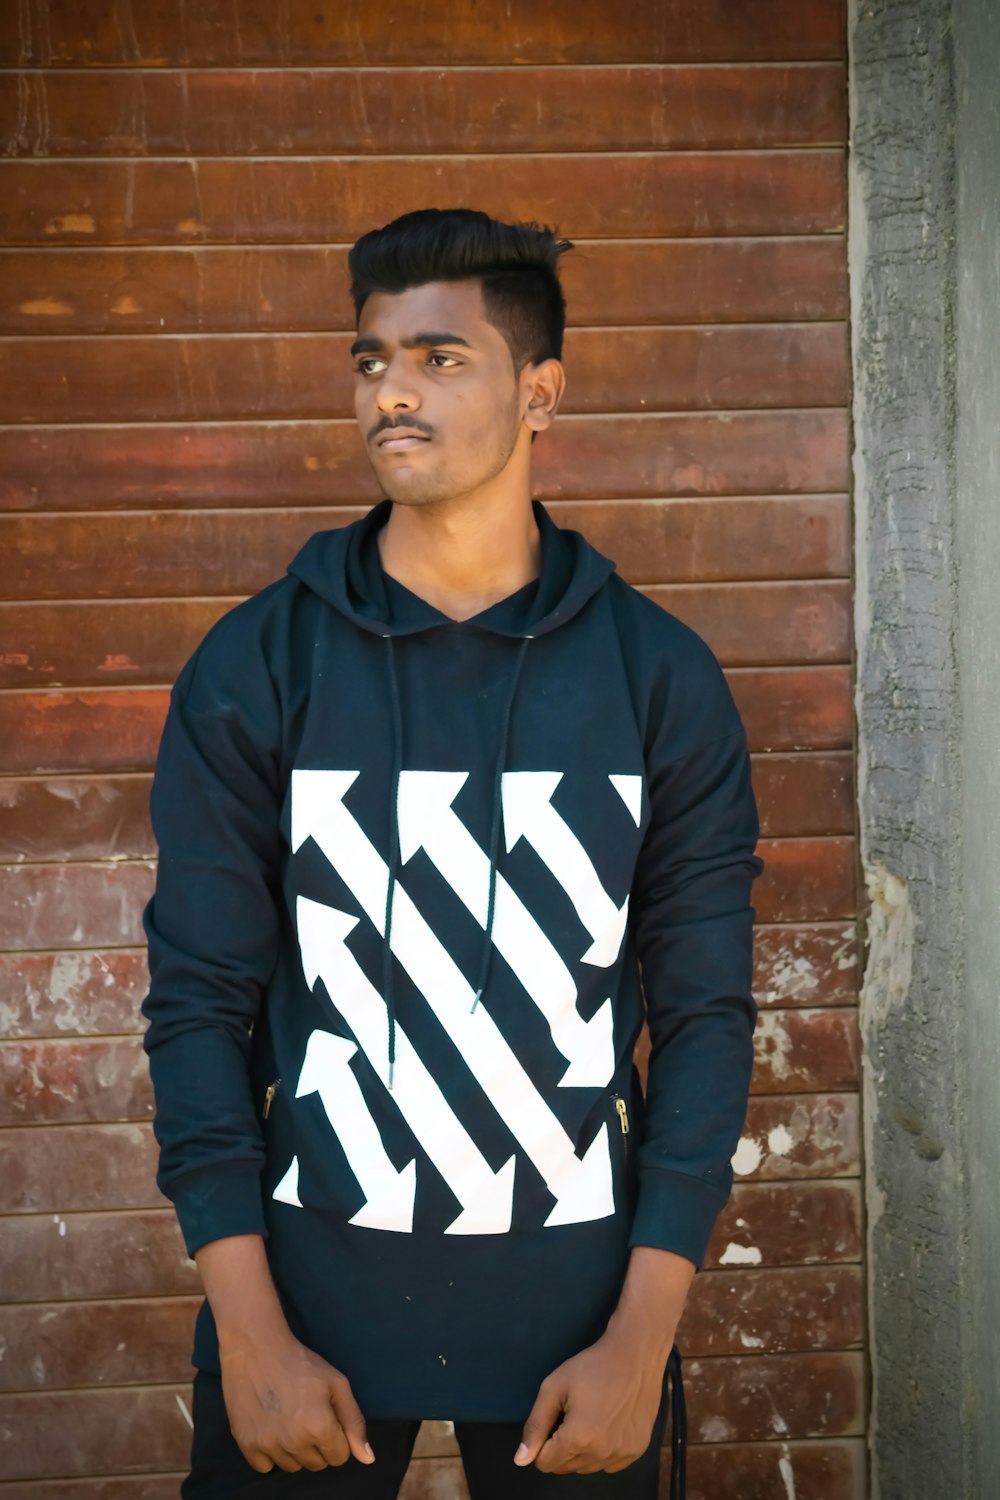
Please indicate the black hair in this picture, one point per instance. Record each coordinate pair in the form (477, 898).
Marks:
(516, 264)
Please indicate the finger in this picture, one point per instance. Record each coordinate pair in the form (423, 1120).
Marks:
(542, 1417)
(352, 1421)
(558, 1455)
(286, 1460)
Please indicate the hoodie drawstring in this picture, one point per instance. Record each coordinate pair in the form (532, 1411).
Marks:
(388, 987)
(678, 1427)
(484, 966)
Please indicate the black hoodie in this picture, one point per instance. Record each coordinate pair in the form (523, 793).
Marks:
(443, 1137)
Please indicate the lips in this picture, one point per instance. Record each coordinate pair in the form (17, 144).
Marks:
(397, 440)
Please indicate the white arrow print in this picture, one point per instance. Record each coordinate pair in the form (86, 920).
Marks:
(427, 820)
(582, 1188)
(528, 813)
(486, 1196)
(326, 1069)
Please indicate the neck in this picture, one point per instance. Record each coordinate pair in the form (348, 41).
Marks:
(463, 554)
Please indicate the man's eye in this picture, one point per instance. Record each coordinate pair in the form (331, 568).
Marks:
(448, 358)
(363, 366)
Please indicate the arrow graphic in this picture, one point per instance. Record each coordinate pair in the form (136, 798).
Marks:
(428, 821)
(583, 1188)
(528, 813)
(326, 1070)
(486, 1196)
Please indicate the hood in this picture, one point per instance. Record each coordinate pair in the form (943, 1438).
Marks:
(343, 567)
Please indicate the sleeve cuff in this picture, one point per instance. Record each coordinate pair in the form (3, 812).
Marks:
(676, 1212)
(212, 1203)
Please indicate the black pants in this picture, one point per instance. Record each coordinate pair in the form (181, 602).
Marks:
(218, 1467)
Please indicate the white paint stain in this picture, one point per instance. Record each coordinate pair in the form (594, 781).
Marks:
(780, 1141)
(787, 1477)
(183, 1409)
(750, 1341)
(717, 1430)
(38, 1369)
(747, 1156)
(740, 1255)
(773, 1043)
(62, 1224)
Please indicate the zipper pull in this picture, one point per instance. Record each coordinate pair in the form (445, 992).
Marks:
(622, 1109)
(272, 1089)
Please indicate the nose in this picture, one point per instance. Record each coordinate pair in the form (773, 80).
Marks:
(395, 391)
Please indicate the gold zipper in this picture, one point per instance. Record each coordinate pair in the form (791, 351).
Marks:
(622, 1109)
(272, 1089)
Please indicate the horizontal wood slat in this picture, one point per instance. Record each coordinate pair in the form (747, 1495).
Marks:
(46, 1433)
(140, 1252)
(89, 904)
(280, 200)
(309, 376)
(754, 1397)
(57, 1433)
(797, 1050)
(806, 880)
(90, 817)
(84, 991)
(820, 1470)
(392, 112)
(50, 1169)
(143, 1486)
(126, 1341)
(783, 708)
(784, 1223)
(776, 1470)
(73, 905)
(304, 288)
(108, 731)
(84, 644)
(76, 993)
(362, 32)
(805, 1135)
(322, 463)
(130, 1341)
(806, 964)
(95, 817)
(772, 1312)
(163, 554)
(61, 1081)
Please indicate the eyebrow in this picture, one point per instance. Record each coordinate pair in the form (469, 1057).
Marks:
(431, 340)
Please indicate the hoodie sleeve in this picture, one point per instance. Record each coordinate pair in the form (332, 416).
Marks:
(212, 926)
(693, 922)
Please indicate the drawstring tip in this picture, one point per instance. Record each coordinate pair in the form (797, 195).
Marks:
(479, 996)
(392, 1069)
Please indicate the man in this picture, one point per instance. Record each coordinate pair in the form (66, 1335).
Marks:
(424, 806)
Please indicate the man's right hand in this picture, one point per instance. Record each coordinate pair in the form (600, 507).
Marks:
(288, 1407)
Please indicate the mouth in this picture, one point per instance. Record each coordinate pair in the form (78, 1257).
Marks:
(399, 442)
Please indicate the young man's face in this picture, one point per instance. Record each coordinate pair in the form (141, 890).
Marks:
(436, 397)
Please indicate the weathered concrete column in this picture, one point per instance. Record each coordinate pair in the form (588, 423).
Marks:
(925, 269)
(902, 257)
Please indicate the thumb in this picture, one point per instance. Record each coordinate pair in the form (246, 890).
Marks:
(541, 1419)
(351, 1419)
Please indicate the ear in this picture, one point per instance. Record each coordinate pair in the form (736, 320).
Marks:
(542, 387)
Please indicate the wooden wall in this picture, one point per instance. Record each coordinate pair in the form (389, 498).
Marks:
(178, 191)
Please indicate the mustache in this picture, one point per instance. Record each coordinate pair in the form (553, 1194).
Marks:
(409, 423)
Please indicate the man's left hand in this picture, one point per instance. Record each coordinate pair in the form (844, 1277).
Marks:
(607, 1397)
